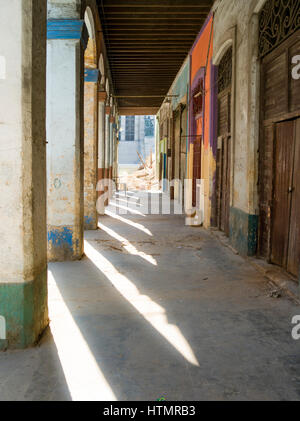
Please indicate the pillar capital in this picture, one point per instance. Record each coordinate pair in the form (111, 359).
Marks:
(67, 29)
(107, 110)
(112, 119)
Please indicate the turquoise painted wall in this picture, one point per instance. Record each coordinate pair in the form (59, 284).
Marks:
(180, 87)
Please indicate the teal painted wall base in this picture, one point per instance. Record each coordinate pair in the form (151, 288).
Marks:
(25, 310)
(243, 231)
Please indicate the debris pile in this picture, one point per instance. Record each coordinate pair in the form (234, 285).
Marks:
(142, 179)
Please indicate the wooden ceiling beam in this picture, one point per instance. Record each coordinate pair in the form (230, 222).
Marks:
(147, 42)
(157, 3)
(123, 12)
(135, 20)
(138, 110)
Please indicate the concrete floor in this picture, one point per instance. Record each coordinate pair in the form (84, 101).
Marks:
(158, 309)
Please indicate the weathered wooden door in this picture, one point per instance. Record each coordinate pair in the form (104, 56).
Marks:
(183, 149)
(223, 187)
(176, 152)
(224, 142)
(161, 166)
(279, 150)
(285, 227)
(196, 167)
(293, 262)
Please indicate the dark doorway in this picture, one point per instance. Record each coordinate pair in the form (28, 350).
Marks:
(224, 141)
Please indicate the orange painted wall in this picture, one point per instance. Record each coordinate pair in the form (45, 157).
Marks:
(200, 56)
(200, 67)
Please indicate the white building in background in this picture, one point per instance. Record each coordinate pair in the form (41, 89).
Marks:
(137, 134)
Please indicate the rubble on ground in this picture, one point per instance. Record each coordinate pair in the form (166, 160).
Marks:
(142, 179)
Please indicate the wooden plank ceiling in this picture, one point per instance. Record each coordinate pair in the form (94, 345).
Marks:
(147, 42)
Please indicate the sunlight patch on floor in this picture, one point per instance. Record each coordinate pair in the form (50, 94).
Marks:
(127, 221)
(127, 201)
(134, 211)
(151, 311)
(125, 195)
(84, 378)
(127, 245)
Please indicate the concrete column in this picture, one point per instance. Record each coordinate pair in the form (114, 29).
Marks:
(65, 47)
(111, 149)
(23, 257)
(107, 148)
(111, 153)
(90, 148)
(115, 164)
(101, 147)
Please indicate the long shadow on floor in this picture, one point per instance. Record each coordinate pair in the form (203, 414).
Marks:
(127, 310)
(135, 359)
(34, 374)
(166, 311)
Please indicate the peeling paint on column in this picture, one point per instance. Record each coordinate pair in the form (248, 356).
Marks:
(63, 244)
(23, 261)
(90, 154)
(65, 137)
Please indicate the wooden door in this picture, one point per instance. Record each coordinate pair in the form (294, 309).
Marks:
(176, 145)
(161, 166)
(196, 167)
(223, 161)
(183, 149)
(293, 261)
(225, 190)
(279, 153)
(224, 142)
(285, 226)
(283, 173)
(176, 152)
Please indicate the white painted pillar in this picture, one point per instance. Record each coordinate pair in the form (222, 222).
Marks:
(23, 257)
(111, 153)
(90, 147)
(115, 160)
(65, 47)
(111, 138)
(107, 138)
(107, 149)
(101, 149)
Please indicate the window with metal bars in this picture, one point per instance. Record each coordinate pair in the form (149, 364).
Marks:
(129, 128)
(277, 21)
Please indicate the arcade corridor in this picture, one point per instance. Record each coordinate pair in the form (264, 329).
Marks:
(101, 298)
(157, 309)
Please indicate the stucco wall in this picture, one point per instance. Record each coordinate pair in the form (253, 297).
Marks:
(237, 14)
(236, 24)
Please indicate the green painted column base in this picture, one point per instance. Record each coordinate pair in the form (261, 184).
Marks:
(24, 309)
(243, 231)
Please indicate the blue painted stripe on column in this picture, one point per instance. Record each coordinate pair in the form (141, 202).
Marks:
(67, 29)
(91, 75)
